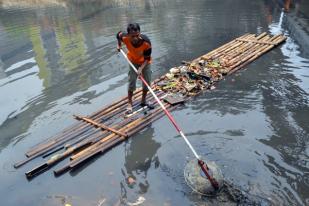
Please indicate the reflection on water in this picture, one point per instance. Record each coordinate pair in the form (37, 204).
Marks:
(58, 58)
(140, 156)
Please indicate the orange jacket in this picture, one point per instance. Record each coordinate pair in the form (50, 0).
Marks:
(137, 55)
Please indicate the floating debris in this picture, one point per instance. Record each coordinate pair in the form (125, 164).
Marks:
(193, 77)
(139, 201)
(131, 180)
(101, 202)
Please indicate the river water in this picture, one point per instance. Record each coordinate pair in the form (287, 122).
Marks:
(58, 58)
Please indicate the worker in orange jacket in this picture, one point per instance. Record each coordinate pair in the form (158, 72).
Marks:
(139, 53)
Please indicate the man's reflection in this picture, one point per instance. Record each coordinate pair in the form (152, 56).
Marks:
(140, 155)
(269, 9)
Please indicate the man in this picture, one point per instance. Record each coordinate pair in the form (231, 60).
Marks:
(139, 53)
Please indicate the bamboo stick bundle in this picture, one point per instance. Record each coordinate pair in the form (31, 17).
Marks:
(231, 49)
(110, 141)
(258, 42)
(224, 48)
(245, 47)
(77, 159)
(221, 48)
(74, 126)
(136, 101)
(240, 48)
(62, 135)
(112, 138)
(70, 149)
(248, 52)
(252, 57)
(240, 61)
(252, 48)
(235, 50)
(77, 131)
(78, 126)
(73, 142)
(236, 45)
(128, 120)
(58, 143)
(126, 128)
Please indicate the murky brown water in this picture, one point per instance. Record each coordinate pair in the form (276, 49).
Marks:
(59, 59)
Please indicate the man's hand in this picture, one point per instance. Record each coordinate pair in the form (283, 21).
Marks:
(118, 47)
(139, 71)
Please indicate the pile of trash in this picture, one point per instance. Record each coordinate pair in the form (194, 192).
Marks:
(192, 77)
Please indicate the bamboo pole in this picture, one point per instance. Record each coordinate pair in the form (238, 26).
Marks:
(233, 46)
(74, 127)
(251, 54)
(253, 41)
(240, 47)
(247, 45)
(125, 129)
(102, 126)
(108, 143)
(19, 164)
(248, 51)
(69, 150)
(209, 54)
(56, 142)
(47, 148)
(68, 135)
(252, 57)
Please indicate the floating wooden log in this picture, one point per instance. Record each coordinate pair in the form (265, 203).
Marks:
(107, 127)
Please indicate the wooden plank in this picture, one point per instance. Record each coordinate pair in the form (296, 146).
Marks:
(256, 41)
(102, 126)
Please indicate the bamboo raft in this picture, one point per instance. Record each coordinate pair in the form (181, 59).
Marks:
(109, 126)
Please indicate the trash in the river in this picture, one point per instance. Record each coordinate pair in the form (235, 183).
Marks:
(63, 200)
(169, 75)
(189, 86)
(193, 77)
(101, 202)
(173, 99)
(174, 70)
(131, 180)
(139, 201)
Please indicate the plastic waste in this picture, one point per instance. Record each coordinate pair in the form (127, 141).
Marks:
(139, 201)
(169, 75)
(174, 70)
